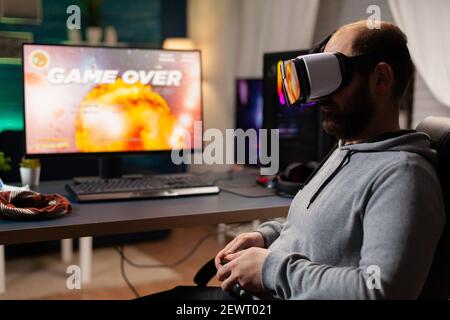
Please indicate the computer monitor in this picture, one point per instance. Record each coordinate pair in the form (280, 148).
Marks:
(103, 101)
(249, 113)
(302, 138)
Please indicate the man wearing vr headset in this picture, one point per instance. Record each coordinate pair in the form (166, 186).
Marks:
(367, 223)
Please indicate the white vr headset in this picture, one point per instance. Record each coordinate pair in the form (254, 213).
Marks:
(313, 76)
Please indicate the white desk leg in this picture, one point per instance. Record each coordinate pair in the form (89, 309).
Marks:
(86, 259)
(2, 270)
(221, 234)
(256, 224)
(66, 250)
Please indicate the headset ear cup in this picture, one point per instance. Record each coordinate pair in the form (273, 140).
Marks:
(288, 187)
(313, 165)
(290, 182)
(291, 168)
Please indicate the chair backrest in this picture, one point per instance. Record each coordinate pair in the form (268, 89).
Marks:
(437, 285)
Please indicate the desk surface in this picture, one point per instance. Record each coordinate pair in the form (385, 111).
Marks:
(106, 218)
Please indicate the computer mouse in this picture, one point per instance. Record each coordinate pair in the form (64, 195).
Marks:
(267, 181)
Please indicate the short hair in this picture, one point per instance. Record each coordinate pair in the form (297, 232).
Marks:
(389, 42)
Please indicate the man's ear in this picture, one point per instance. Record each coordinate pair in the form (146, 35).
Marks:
(383, 79)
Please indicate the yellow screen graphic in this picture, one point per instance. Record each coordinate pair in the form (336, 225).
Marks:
(124, 117)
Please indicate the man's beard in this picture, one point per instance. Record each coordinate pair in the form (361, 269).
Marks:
(352, 118)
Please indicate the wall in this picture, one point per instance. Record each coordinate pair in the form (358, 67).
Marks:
(51, 30)
(333, 14)
(11, 96)
(216, 37)
(233, 35)
(139, 23)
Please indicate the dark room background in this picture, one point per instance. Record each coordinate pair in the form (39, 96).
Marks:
(144, 23)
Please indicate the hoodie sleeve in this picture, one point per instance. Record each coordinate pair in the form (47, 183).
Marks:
(402, 225)
(270, 231)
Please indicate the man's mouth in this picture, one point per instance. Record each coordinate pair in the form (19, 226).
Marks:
(326, 108)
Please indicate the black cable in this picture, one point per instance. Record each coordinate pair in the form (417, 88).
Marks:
(121, 252)
(245, 183)
(124, 275)
(123, 259)
(248, 196)
(284, 195)
(229, 177)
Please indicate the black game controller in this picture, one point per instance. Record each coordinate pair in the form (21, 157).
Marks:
(237, 291)
(240, 293)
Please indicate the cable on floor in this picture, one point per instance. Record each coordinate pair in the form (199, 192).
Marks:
(125, 277)
(124, 259)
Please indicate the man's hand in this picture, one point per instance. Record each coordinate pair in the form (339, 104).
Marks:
(241, 242)
(244, 267)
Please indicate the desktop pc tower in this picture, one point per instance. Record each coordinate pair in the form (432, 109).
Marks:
(249, 114)
(302, 138)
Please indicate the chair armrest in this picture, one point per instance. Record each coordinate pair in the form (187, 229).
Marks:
(205, 274)
(208, 271)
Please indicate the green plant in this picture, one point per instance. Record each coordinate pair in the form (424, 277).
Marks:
(4, 163)
(30, 163)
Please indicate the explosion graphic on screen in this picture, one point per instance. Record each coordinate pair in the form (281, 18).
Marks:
(124, 117)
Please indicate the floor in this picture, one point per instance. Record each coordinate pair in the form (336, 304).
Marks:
(179, 242)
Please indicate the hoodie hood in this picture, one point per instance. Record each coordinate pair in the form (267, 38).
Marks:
(406, 140)
(401, 141)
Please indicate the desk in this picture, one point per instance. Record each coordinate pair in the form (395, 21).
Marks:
(108, 218)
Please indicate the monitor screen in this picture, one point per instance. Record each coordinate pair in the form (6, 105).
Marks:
(249, 104)
(80, 100)
(249, 112)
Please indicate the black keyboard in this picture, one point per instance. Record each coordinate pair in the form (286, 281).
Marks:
(154, 186)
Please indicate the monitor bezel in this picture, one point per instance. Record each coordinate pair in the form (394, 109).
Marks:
(111, 153)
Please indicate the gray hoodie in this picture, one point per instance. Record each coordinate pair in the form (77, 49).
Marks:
(365, 226)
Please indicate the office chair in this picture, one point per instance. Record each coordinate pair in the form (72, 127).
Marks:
(437, 285)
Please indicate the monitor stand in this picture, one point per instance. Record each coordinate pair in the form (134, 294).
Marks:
(109, 167)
